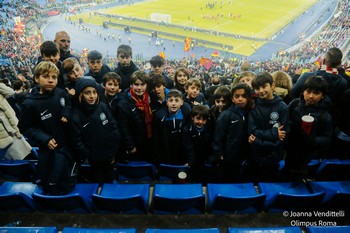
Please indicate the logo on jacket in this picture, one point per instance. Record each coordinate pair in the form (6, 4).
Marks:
(274, 116)
(103, 118)
(62, 101)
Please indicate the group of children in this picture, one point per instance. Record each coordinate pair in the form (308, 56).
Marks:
(243, 136)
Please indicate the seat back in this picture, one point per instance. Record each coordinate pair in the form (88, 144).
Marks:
(135, 171)
(200, 230)
(234, 198)
(28, 229)
(328, 229)
(17, 196)
(168, 172)
(17, 170)
(77, 201)
(333, 170)
(265, 230)
(98, 230)
(122, 198)
(178, 199)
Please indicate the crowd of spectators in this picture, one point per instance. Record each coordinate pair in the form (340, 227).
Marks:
(23, 51)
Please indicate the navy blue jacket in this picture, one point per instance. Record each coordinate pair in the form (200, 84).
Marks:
(267, 149)
(125, 73)
(41, 114)
(200, 99)
(300, 144)
(230, 138)
(98, 76)
(94, 132)
(168, 135)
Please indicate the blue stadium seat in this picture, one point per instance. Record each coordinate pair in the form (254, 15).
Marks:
(17, 170)
(122, 198)
(28, 229)
(333, 169)
(77, 201)
(136, 171)
(328, 229)
(234, 198)
(17, 196)
(178, 199)
(200, 230)
(289, 196)
(98, 230)
(167, 172)
(337, 194)
(265, 230)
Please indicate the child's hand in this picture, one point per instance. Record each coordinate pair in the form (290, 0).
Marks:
(52, 144)
(251, 139)
(64, 120)
(281, 133)
(70, 91)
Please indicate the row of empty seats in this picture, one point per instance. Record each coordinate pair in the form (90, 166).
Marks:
(328, 229)
(326, 170)
(179, 198)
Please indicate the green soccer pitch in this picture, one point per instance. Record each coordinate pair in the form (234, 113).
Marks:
(250, 18)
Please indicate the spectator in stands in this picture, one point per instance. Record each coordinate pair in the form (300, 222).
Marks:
(46, 110)
(230, 145)
(168, 126)
(245, 77)
(304, 145)
(135, 117)
(62, 39)
(94, 132)
(180, 78)
(197, 137)
(222, 99)
(158, 91)
(157, 64)
(283, 85)
(50, 52)
(96, 67)
(209, 92)
(112, 82)
(193, 95)
(336, 83)
(126, 67)
(17, 99)
(267, 129)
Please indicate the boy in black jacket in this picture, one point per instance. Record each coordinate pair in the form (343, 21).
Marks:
(46, 110)
(303, 145)
(267, 129)
(168, 128)
(94, 132)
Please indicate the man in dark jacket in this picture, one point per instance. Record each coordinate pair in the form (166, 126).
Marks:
(62, 39)
(126, 66)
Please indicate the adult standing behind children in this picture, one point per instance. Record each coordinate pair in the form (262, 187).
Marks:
(46, 111)
(96, 67)
(267, 129)
(62, 39)
(125, 67)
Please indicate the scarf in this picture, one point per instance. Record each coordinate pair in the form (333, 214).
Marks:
(329, 69)
(144, 107)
